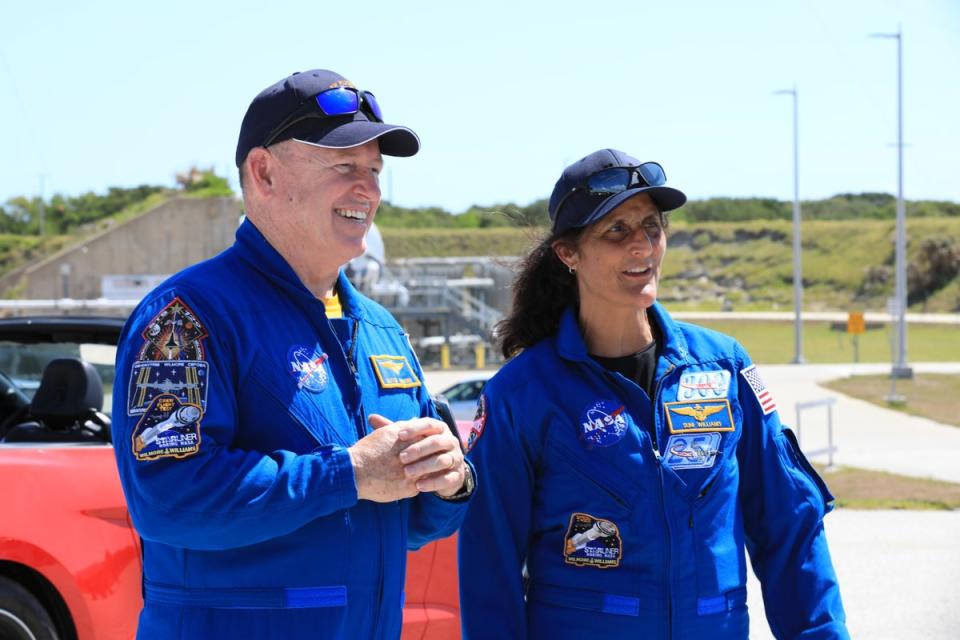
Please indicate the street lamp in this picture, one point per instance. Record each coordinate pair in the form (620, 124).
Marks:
(797, 272)
(900, 368)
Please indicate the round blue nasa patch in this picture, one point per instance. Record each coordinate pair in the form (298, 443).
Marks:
(306, 365)
(602, 424)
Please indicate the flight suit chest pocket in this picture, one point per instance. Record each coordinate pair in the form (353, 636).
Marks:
(295, 404)
(589, 477)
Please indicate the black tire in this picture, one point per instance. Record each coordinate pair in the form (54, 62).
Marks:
(22, 616)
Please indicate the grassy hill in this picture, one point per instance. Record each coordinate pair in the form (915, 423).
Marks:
(846, 263)
(723, 252)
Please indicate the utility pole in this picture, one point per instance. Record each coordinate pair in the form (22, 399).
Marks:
(797, 270)
(42, 212)
(900, 367)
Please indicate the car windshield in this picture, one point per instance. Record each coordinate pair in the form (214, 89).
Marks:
(23, 363)
(464, 391)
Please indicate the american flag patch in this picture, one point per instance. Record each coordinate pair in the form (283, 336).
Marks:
(752, 376)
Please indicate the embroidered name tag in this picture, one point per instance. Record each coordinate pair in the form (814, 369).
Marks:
(695, 417)
(394, 372)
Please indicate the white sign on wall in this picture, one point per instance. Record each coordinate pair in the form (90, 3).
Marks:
(126, 287)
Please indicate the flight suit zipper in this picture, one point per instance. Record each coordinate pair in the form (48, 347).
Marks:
(663, 502)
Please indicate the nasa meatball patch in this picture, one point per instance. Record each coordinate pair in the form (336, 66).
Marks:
(592, 542)
(602, 424)
(308, 367)
(168, 429)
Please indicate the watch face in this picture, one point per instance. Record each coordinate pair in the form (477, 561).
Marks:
(466, 489)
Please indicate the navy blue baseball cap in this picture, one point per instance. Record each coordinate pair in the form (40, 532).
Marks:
(291, 108)
(597, 184)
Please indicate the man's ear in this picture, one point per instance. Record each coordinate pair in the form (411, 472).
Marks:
(260, 165)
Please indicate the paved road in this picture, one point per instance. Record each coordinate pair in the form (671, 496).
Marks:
(898, 574)
(898, 570)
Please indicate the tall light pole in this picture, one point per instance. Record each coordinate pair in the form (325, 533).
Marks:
(797, 271)
(900, 368)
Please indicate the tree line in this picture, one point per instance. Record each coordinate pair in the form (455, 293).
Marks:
(60, 214)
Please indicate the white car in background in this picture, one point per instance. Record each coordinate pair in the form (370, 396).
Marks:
(463, 395)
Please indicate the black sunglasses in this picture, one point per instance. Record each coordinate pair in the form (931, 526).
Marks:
(339, 101)
(608, 182)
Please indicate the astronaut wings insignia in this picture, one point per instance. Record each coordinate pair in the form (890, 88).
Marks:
(697, 412)
(699, 417)
(394, 372)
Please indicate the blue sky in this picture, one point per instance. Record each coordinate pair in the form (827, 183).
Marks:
(502, 93)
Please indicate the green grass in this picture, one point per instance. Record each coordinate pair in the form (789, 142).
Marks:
(772, 342)
(864, 489)
(747, 263)
(928, 395)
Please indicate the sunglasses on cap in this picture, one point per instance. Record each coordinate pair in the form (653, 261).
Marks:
(608, 182)
(339, 101)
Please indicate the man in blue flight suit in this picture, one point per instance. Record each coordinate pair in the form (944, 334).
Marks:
(277, 447)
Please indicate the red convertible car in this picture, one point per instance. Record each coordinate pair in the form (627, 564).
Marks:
(69, 557)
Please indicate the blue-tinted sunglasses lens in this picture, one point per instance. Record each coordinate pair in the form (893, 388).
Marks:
(607, 181)
(374, 106)
(338, 102)
(652, 173)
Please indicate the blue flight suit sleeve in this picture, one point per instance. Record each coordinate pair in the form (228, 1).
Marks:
(219, 496)
(492, 601)
(784, 502)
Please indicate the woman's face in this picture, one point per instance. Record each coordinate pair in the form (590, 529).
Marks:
(617, 259)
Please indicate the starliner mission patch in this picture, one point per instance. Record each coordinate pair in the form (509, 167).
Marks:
(592, 542)
(168, 429)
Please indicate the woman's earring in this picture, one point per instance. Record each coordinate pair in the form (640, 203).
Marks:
(572, 271)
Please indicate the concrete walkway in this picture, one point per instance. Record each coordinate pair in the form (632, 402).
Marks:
(866, 435)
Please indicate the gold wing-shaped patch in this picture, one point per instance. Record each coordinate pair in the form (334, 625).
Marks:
(393, 366)
(698, 412)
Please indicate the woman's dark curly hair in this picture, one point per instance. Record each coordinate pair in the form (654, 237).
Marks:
(544, 287)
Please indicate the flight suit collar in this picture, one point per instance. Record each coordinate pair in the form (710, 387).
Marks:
(254, 248)
(571, 346)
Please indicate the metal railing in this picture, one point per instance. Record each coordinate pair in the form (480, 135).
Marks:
(830, 448)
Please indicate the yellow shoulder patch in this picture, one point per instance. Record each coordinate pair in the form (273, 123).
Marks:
(394, 372)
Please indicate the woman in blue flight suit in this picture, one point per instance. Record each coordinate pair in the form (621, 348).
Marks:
(629, 459)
